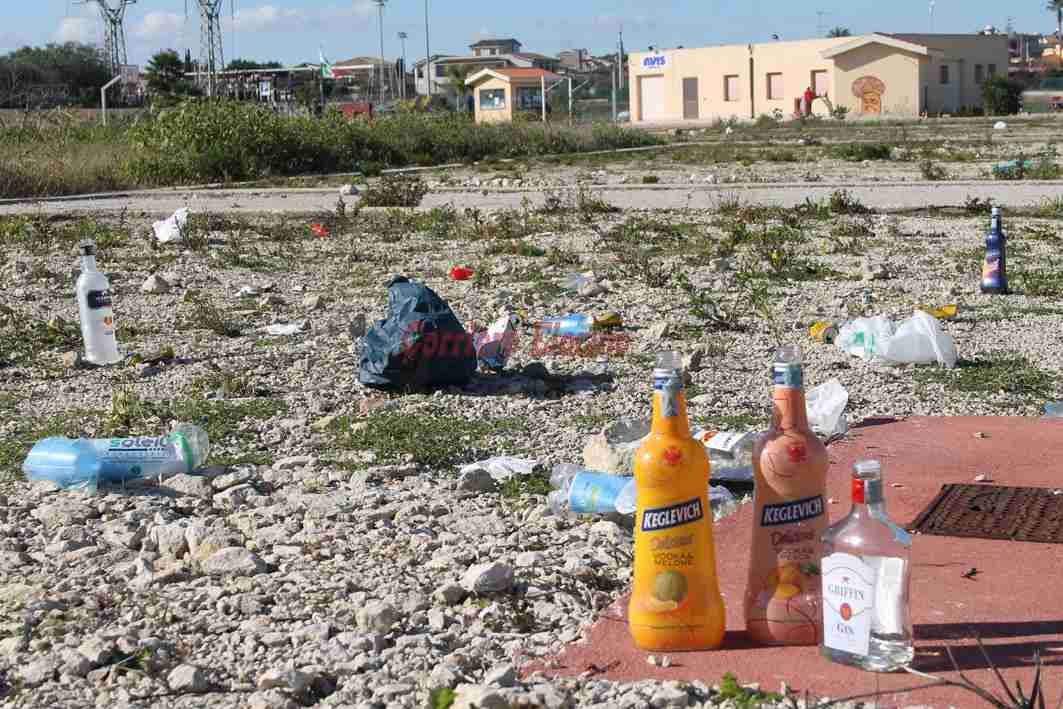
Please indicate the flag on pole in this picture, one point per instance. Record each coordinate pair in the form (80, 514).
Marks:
(326, 68)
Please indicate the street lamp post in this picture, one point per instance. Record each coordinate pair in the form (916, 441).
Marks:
(402, 79)
(380, 4)
(427, 52)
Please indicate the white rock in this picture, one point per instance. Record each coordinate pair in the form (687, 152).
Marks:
(313, 302)
(169, 539)
(37, 672)
(472, 696)
(528, 559)
(189, 679)
(73, 663)
(451, 594)
(476, 480)
(97, 650)
(234, 561)
(233, 497)
(613, 450)
(501, 676)
(155, 284)
(288, 679)
(657, 331)
(377, 616)
(493, 577)
(669, 697)
(191, 485)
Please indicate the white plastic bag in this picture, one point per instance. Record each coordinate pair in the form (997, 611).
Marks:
(172, 228)
(865, 337)
(502, 467)
(920, 339)
(826, 408)
(917, 340)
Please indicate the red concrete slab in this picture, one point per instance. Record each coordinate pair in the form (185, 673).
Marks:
(1013, 603)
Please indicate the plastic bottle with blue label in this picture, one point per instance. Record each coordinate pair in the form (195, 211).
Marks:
(580, 491)
(81, 464)
(994, 269)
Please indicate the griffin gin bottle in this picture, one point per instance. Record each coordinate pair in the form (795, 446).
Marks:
(865, 582)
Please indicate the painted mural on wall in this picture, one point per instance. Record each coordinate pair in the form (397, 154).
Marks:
(869, 89)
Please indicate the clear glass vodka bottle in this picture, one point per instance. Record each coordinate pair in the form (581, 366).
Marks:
(866, 562)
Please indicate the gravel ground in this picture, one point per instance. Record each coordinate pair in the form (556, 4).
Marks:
(323, 560)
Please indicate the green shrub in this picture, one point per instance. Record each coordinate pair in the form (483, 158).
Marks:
(857, 152)
(1000, 96)
(397, 191)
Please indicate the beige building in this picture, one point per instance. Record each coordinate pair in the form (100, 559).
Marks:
(871, 75)
(500, 93)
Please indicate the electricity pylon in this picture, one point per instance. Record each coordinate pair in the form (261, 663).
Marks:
(211, 57)
(113, 14)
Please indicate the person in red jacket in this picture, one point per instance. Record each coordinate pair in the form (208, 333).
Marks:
(810, 96)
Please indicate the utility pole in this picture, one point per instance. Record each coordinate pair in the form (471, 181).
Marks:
(114, 25)
(211, 56)
(427, 52)
(380, 6)
(402, 79)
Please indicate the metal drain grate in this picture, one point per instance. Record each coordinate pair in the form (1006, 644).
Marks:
(1022, 514)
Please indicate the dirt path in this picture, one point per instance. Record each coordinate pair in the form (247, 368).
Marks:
(907, 195)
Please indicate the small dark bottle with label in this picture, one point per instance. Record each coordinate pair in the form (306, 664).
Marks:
(994, 269)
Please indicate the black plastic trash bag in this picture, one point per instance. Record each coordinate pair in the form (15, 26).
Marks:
(420, 345)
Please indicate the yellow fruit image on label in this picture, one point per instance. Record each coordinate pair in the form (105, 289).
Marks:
(785, 581)
(670, 586)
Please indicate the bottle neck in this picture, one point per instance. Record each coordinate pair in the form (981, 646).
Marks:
(669, 404)
(88, 263)
(789, 409)
(868, 499)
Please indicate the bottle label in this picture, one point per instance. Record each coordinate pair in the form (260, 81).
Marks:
(141, 448)
(788, 375)
(727, 441)
(658, 518)
(848, 603)
(792, 512)
(991, 267)
(98, 299)
(669, 388)
(595, 493)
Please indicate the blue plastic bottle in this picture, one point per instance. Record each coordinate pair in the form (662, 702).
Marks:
(994, 270)
(577, 325)
(83, 463)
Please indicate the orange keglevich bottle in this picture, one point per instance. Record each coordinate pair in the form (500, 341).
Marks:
(782, 602)
(675, 601)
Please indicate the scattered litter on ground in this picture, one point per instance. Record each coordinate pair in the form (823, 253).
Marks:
(945, 312)
(1054, 410)
(502, 467)
(1000, 125)
(286, 329)
(823, 332)
(320, 230)
(982, 478)
(461, 273)
(172, 228)
(420, 344)
(918, 340)
(495, 344)
(586, 284)
(826, 409)
(81, 464)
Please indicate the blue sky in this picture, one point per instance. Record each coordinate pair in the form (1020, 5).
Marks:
(291, 30)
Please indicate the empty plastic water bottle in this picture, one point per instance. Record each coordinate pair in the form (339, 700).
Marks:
(580, 491)
(83, 463)
(1054, 410)
(730, 453)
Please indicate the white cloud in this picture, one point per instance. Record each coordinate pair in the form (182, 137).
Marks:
(159, 25)
(267, 18)
(76, 29)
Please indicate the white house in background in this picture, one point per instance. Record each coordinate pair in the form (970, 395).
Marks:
(486, 54)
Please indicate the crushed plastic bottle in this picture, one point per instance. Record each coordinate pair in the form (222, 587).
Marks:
(81, 464)
(730, 453)
(580, 491)
(1054, 410)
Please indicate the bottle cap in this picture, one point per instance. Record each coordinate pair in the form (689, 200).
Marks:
(87, 248)
(867, 468)
(996, 211)
(788, 354)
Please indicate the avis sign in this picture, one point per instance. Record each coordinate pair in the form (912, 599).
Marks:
(655, 62)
